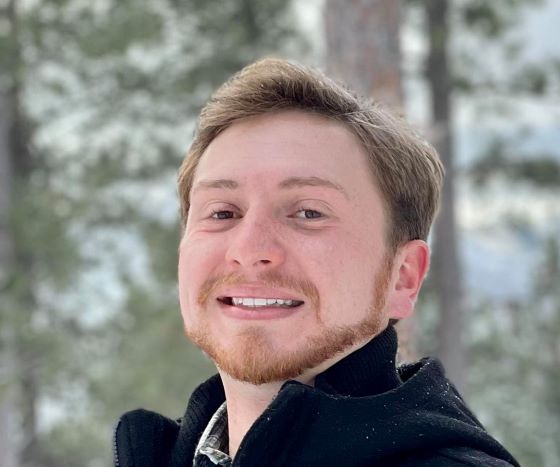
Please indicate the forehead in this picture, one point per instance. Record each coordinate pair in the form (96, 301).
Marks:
(274, 147)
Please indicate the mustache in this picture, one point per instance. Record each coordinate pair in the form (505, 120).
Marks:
(268, 278)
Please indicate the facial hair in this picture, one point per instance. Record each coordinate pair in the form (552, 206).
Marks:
(253, 358)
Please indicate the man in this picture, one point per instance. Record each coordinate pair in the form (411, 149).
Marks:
(305, 216)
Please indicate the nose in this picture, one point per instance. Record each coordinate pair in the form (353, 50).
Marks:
(255, 242)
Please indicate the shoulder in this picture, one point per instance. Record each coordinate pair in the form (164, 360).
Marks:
(143, 438)
(454, 457)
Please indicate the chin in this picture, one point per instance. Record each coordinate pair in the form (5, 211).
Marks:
(251, 355)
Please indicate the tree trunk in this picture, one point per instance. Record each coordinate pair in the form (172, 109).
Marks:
(9, 448)
(446, 263)
(9, 452)
(363, 47)
(19, 395)
(363, 50)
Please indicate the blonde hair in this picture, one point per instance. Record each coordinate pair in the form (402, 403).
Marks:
(407, 170)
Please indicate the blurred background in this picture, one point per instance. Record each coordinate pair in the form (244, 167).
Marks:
(97, 108)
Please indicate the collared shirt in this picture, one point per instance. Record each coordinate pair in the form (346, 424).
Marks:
(214, 442)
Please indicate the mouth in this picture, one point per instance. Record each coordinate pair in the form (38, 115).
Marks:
(254, 303)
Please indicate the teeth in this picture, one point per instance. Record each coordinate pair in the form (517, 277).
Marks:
(256, 302)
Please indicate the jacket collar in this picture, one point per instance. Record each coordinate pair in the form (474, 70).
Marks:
(369, 370)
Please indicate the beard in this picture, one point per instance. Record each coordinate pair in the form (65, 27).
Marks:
(254, 359)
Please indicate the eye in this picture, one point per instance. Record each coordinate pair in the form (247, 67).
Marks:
(222, 215)
(308, 214)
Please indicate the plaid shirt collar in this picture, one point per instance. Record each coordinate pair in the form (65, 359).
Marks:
(214, 442)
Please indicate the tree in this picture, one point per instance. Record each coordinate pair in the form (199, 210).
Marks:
(363, 49)
(446, 264)
(502, 336)
(516, 344)
(37, 257)
(8, 444)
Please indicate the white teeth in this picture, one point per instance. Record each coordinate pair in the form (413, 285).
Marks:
(257, 302)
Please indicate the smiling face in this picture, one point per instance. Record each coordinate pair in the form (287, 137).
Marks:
(283, 264)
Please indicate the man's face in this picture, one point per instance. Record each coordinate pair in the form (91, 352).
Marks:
(283, 206)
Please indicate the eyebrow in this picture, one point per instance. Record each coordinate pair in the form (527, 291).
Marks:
(288, 183)
(214, 184)
(300, 182)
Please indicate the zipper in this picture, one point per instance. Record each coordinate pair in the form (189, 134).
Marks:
(115, 447)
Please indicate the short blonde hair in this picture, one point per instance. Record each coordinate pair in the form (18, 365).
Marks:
(407, 170)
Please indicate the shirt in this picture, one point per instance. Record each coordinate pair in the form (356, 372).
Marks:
(214, 441)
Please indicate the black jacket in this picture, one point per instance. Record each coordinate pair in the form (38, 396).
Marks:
(361, 412)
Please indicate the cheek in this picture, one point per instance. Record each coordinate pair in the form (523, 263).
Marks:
(350, 256)
(348, 269)
(195, 264)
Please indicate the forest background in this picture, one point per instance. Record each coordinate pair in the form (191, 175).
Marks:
(97, 108)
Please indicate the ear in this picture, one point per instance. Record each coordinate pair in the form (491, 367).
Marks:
(409, 270)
